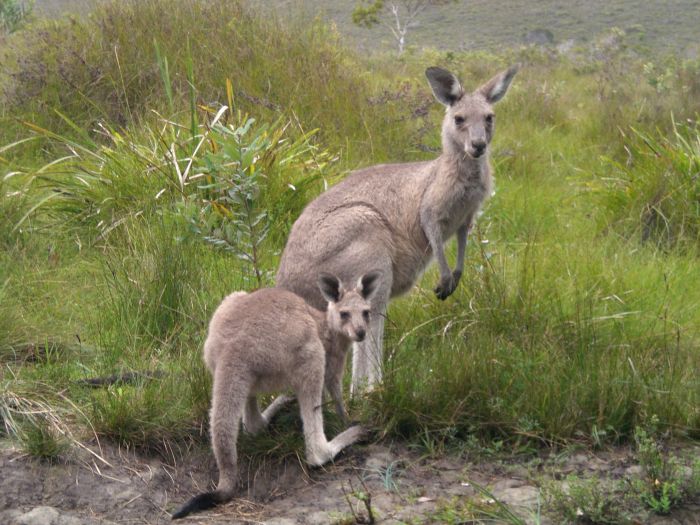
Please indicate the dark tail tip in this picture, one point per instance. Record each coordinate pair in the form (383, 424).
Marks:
(201, 502)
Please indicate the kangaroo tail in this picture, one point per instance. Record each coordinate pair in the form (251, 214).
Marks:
(205, 501)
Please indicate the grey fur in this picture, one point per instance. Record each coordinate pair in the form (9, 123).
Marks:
(396, 217)
(272, 339)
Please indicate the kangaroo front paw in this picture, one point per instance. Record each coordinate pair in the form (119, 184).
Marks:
(445, 287)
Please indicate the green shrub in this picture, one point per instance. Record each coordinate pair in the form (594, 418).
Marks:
(98, 188)
(663, 485)
(590, 500)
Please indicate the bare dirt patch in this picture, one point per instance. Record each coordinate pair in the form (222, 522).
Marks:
(125, 487)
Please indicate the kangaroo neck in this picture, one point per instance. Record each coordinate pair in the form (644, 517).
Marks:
(454, 163)
(333, 342)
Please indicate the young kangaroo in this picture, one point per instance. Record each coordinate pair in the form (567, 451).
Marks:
(396, 217)
(269, 340)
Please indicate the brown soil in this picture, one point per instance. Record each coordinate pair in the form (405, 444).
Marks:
(124, 487)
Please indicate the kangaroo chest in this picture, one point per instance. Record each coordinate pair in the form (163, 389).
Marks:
(457, 204)
(454, 203)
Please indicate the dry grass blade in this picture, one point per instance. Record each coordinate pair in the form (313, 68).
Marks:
(28, 407)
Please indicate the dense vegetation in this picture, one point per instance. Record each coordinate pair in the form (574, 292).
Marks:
(151, 164)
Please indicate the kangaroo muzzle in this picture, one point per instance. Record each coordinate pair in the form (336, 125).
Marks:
(476, 144)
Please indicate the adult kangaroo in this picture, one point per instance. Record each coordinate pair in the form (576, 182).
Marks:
(395, 217)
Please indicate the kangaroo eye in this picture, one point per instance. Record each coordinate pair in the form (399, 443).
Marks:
(489, 118)
(344, 316)
(365, 314)
(459, 120)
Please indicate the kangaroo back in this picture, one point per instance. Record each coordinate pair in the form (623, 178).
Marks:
(217, 327)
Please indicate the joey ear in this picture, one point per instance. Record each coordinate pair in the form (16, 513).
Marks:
(367, 284)
(445, 85)
(495, 89)
(330, 287)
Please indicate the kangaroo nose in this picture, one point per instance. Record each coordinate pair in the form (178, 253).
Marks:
(479, 147)
(360, 334)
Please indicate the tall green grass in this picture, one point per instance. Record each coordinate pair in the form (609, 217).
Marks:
(545, 341)
(655, 192)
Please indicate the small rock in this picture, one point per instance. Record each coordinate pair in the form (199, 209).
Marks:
(39, 516)
(578, 459)
(519, 472)
(633, 471)
(597, 464)
(9, 516)
(565, 47)
(506, 484)
(521, 496)
(317, 518)
(46, 516)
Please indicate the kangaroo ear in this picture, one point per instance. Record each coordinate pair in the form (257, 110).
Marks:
(445, 85)
(368, 284)
(495, 89)
(330, 287)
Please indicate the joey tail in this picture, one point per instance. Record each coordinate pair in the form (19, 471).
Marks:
(205, 501)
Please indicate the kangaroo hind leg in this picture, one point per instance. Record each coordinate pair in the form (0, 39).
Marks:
(228, 404)
(254, 421)
(274, 407)
(228, 407)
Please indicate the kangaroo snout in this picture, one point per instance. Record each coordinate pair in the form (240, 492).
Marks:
(477, 148)
(360, 335)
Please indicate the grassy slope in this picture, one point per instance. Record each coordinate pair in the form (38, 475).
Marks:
(481, 24)
(566, 324)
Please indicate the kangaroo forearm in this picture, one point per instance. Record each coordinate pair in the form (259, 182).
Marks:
(437, 246)
(461, 247)
(432, 231)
